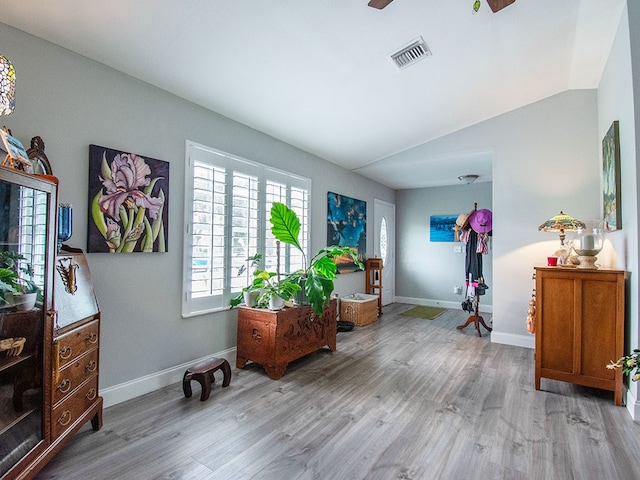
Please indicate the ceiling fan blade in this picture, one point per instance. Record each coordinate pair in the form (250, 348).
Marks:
(497, 5)
(380, 4)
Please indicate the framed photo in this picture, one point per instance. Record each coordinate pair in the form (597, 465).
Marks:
(13, 146)
(611, 195)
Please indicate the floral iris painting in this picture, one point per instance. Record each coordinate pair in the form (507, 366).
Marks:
(128, 200)
(347, 227)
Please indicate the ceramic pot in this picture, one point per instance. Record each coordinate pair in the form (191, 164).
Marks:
(22, 301)
(276, 303)
(251, 298)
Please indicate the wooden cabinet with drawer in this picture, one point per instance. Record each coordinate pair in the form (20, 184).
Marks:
(580, 326)
(76, 348)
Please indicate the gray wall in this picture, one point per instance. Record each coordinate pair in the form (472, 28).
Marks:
(427, 271)
(72, 102)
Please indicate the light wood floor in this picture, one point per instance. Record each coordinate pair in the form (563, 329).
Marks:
(402, 398)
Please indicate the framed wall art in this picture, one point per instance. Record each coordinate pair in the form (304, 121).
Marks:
(128, 202)
(442, 228)
(611, 196)
(347, 227)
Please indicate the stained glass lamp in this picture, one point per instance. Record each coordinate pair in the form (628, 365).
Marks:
(7, 86)
(560, 223)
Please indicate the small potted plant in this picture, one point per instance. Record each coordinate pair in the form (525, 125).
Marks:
(249, 294)
(17, 288)
(316, 279)
(275, 293)
(265, 290)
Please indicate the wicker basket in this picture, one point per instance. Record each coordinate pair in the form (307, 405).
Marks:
(359, 308)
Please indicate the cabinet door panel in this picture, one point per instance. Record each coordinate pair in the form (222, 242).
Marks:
(558, 329)
(598, 328)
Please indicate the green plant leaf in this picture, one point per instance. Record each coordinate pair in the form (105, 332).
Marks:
(318, 289)
(285, 225)
(324, 266)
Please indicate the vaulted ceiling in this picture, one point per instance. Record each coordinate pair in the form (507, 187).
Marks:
(317, 73)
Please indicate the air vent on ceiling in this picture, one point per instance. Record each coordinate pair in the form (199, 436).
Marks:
(413, 52)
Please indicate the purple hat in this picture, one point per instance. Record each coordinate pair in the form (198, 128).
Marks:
(480, 220)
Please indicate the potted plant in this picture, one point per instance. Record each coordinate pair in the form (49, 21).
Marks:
(316, 278)
(265, 290)
(275, 293)
(16, 285)
(249, 294)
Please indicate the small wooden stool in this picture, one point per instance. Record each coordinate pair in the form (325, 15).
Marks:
(203, 374)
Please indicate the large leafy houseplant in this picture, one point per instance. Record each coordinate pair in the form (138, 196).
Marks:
(316, 278)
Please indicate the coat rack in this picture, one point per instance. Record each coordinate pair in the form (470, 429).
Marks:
(474, 263)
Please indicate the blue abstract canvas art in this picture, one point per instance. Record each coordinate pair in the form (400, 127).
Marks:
(347, 227)
(442, 228)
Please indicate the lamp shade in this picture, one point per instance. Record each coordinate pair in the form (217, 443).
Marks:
(7, 86)
(560, 223)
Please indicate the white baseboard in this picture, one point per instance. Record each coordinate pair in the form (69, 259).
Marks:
(149, 383)
(514, 339)
(441, 303)
(633, 406)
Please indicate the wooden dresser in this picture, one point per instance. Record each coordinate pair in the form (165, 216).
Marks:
(76, 344)
(580, 326)
(274, 338)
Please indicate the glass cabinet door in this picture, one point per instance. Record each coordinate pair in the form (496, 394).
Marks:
(26, 204)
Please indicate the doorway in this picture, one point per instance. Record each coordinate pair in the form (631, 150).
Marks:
(384, 218)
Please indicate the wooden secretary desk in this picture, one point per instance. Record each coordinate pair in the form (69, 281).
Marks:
(49, 381)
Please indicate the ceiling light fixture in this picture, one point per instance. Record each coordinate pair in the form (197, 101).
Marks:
(468, 179)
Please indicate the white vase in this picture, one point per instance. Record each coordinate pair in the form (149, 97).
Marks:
(251, 298)
(22, 301)
(276, 303)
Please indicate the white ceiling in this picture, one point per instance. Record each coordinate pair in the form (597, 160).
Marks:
(316, 73)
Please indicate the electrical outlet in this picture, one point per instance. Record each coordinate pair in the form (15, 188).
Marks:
(457, 249)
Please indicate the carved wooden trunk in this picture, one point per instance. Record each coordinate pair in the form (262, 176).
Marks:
(273, 338)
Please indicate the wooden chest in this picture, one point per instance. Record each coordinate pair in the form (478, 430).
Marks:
(274, 338)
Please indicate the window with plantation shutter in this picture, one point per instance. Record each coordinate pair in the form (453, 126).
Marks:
(32, 232)
(227, 209)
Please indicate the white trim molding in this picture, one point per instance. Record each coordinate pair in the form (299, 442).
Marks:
(149, 383)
